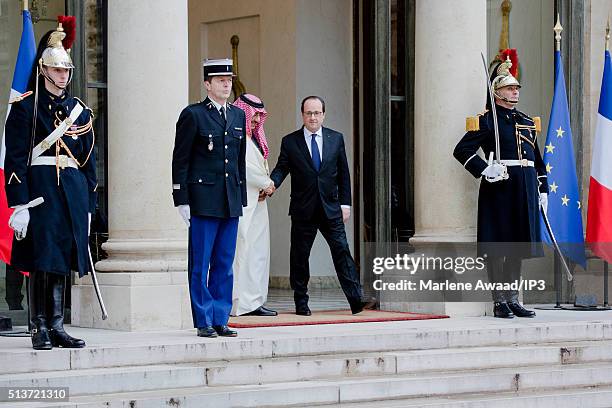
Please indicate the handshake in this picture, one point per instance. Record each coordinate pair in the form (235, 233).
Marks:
(267, 192)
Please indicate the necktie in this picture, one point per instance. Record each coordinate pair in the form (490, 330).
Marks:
(316, 156)
(222, 112)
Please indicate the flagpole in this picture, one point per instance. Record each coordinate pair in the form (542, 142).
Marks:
(608, 35)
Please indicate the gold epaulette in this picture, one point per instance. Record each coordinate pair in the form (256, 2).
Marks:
(21, 97)
(538, 123)
(472, 123)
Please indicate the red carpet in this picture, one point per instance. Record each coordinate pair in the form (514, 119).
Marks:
(327, 317)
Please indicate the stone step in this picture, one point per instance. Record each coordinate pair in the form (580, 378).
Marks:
(111, 380)
(133, 350)
(597, 397)
(244, 372)
(416, 361)
(319, 392)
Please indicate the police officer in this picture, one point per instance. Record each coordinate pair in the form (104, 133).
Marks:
(510, 191)
(50, 155)
(209, 189)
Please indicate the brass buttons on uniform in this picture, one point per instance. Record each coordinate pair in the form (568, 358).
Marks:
(226, 174)
(200, 180)
(226, 146)
(226, 161)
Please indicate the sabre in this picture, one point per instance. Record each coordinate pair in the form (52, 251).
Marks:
(554, 241)
(96, 286)
(495, 126)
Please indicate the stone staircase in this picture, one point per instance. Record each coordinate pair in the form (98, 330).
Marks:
(399, 364)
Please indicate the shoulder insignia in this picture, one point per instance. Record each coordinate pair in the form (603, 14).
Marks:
(538, 123)
(472, 123)
(21, 97)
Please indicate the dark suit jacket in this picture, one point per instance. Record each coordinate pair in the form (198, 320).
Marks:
(208, 163)
(331, 185)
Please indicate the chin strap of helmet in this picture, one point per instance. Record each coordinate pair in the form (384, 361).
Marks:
(43, 72)
(503, 98)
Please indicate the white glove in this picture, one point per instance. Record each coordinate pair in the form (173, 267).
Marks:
(544, 202)
(493, 171)
(185, 213)
(20, 223)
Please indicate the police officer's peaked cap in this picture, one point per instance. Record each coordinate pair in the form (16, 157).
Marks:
(217, 67)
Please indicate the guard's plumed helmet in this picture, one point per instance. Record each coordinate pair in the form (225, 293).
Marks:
(502, 76)
(56, 54)
(503, 72)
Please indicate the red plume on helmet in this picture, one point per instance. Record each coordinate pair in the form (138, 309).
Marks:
(69, 26)
(511, 52)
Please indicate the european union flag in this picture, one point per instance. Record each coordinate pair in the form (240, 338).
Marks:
(564, 204)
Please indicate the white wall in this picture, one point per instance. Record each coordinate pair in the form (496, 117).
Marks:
(324, 66)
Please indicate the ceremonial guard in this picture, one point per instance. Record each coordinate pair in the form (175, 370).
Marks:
(512, 188)
(209, 189)
(51, 185)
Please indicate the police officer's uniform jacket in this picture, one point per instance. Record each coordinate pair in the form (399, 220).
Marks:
(208, 163)
(57, 235)
(508, 210)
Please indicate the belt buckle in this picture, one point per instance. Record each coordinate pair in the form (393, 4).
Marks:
(524, 162)
(62, 162)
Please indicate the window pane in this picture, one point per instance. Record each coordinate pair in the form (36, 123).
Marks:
(94, 41)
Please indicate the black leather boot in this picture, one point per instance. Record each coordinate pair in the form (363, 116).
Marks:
(59, 338)
(520, 311)
(502, 310)
(38, 319)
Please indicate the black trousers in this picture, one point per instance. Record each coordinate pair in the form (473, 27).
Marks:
(303, 233)
(504, 270)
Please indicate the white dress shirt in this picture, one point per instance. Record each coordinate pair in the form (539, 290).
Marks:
(218, 106)
(318, 138)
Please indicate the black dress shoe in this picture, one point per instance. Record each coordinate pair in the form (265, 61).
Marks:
(364, 305)
(303, 311)
(520, 311)
(225, 331)
(265, 309)
(502, 311)
(261, 311)
(207, 331)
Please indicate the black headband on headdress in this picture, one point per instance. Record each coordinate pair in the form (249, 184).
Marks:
(251, 102)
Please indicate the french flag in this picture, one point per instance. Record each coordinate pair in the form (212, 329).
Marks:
(599, 216)
(23, 68)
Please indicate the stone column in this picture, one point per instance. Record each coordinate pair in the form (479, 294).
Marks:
(449, 85)
(144, 280)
